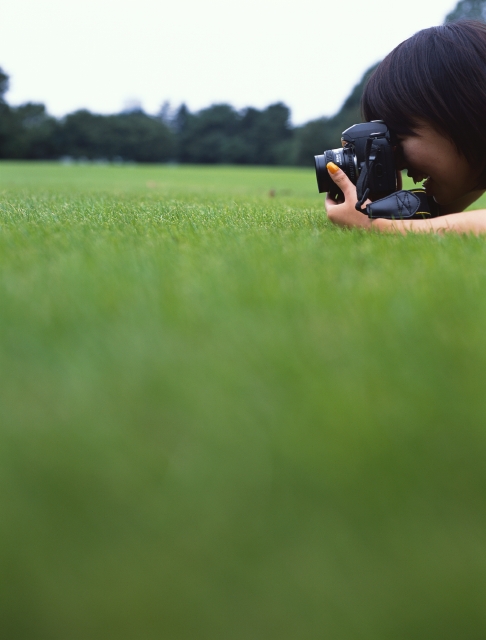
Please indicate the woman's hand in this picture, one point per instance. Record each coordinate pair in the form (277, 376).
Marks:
(344, 213)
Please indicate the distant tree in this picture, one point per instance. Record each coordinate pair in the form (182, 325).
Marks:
(312, 139)
(82, 135)
(325, 133)
(167, 115)
(26, 131)
(133, 136)
(5, 129)
(33, 133)
(4, 82)
(139, 137)
(181, 118)
(220, 134)
(350, 112)
(468, 10)
(180, 125)
(209, 135)
(270, 134)
(5, 114)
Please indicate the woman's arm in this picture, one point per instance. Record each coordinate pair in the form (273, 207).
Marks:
(465, 222)
(345, 214)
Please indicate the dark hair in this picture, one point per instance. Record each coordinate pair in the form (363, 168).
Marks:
(438, 75)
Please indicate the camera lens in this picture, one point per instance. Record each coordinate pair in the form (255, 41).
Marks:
(345, 159)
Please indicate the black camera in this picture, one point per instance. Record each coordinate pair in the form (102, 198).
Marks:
(367, 153)
(367, 157)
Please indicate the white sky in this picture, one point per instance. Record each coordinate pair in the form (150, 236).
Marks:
(102, 54)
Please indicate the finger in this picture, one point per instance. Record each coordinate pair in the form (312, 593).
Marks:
(330, 204)
(335, 195)
(341, 179)
(333, 207)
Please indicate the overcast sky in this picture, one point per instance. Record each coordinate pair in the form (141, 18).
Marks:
(104, 55)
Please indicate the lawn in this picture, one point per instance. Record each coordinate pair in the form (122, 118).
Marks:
(222, 418)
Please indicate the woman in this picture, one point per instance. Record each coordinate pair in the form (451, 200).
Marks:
(431, 92)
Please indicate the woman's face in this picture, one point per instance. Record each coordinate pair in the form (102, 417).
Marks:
(432, 157)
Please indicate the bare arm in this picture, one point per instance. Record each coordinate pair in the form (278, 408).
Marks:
(464, 222)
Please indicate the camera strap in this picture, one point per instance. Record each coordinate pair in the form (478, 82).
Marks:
(404, 205)
(362, 185)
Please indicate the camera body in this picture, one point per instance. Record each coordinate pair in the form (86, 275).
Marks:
(367, 157)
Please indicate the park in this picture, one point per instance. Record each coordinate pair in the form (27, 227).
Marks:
(222, 416)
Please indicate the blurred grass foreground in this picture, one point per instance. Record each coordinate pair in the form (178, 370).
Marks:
(221, 418)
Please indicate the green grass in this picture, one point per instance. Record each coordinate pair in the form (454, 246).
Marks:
(223, 418)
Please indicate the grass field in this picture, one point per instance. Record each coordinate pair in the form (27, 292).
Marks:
(224, 419)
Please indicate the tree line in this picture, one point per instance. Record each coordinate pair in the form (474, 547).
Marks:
(218, 134)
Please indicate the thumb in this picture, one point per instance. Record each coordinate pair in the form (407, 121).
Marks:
(341, 179)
